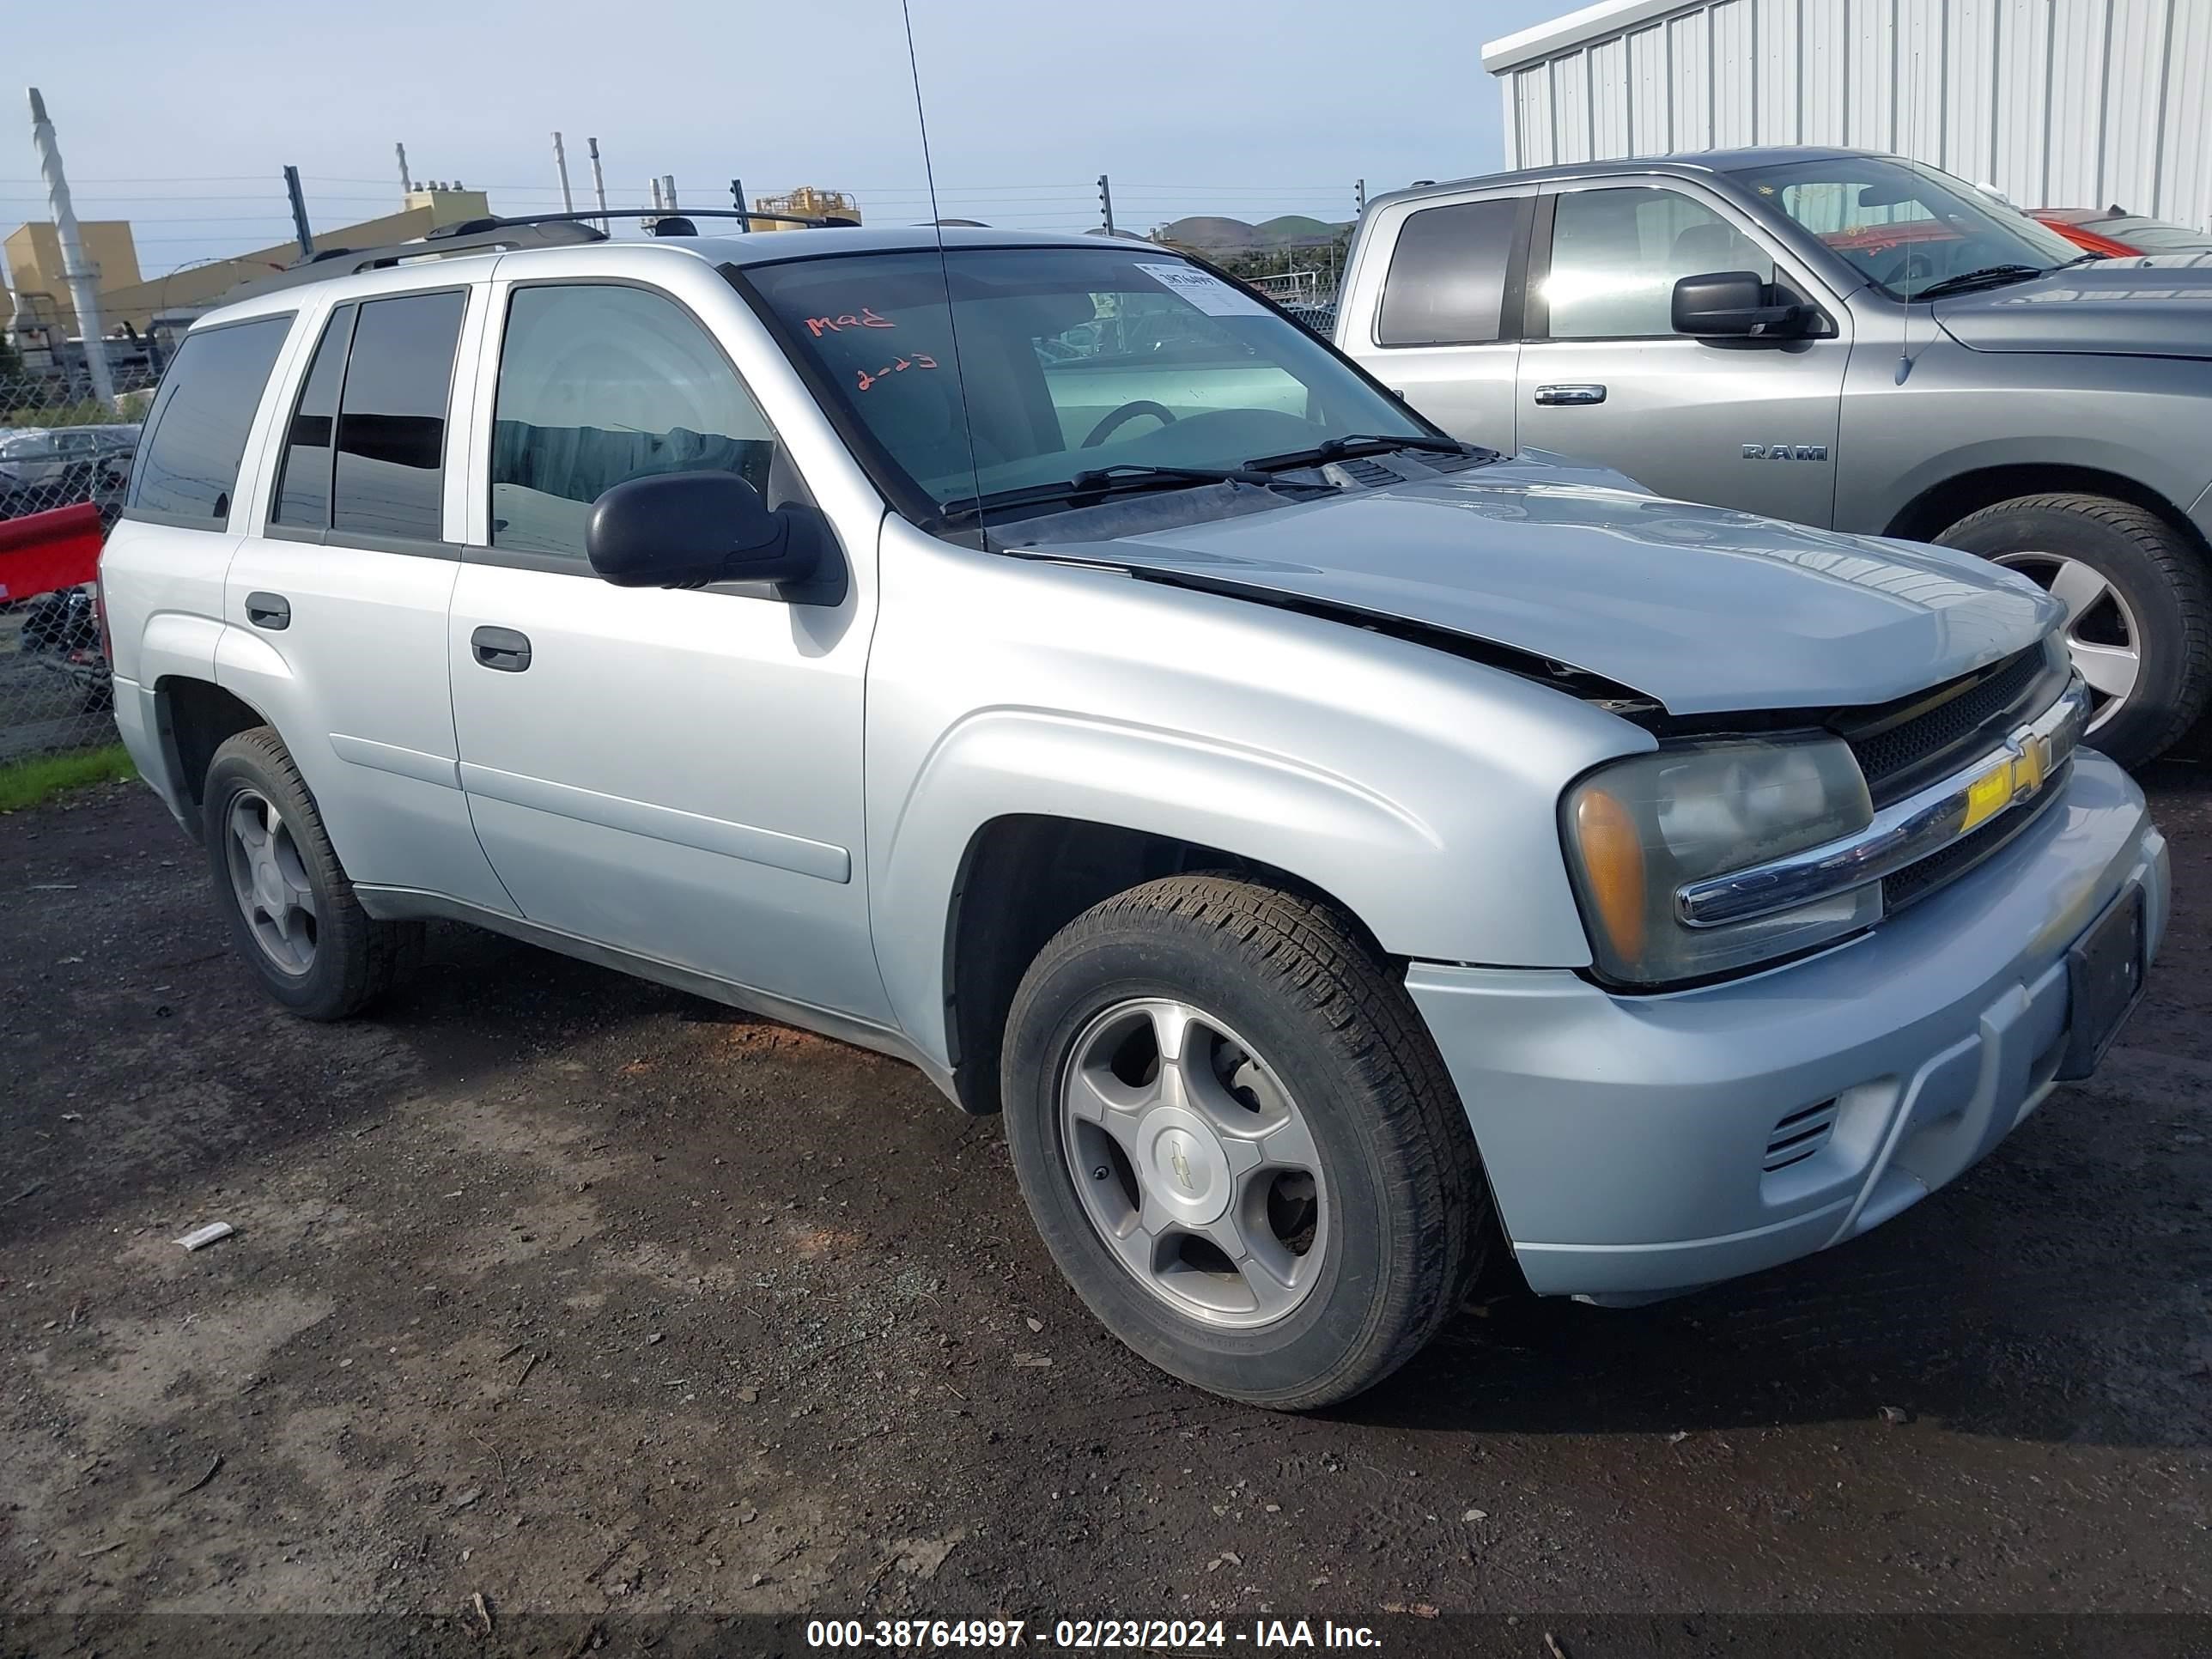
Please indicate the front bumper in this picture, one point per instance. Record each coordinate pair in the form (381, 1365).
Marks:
(1638, 1146)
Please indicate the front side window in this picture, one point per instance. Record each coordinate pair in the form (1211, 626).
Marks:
(1906, 227)
(389, 478)
(1617, 253)
(1447, 280)
(1048, 362)
(188, 467)
(599, 384)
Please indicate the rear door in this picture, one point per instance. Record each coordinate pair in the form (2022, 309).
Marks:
(336, 599)
(1438, 316)
(1745, 423)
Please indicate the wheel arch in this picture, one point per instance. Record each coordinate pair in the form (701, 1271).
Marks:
(193, 718)
(1024, 876)
(1940, 505)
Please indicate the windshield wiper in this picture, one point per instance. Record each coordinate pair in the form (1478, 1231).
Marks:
(1361, 443)
(1987, 276)
(1103, 481)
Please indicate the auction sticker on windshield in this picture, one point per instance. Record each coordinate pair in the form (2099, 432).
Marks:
(1203, 290)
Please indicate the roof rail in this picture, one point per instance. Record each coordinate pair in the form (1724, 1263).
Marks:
(671, 221)
(477, 235)
(501, 232)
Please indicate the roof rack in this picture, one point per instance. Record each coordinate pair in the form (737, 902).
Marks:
(495, 232)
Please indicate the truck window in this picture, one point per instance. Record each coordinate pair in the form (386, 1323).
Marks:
(303, 490)
(390, 475)
(188, 467)
(599, 384)
(1446, 284)
(1617, 254)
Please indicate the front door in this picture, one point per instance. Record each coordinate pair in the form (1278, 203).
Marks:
(1743, 423)
(675, 773)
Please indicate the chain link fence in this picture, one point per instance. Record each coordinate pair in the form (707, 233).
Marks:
(65, 461)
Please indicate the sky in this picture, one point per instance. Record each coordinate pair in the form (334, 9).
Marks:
(184, 125)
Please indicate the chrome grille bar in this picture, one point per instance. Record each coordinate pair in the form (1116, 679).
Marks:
(1903, 833)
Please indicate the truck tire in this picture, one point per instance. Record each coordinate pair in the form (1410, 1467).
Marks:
(289, 905)
(1238, 1142)
(2139, 608)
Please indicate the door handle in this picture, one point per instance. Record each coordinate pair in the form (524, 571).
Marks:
(501, 648)
(1570, 394)
(269, 610)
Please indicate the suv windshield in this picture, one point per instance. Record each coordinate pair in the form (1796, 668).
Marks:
(1073, 359)
(1907, 227)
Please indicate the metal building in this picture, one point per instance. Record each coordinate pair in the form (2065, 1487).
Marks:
(2056, 103)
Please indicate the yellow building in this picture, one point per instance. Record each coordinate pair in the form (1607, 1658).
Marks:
(126, 297)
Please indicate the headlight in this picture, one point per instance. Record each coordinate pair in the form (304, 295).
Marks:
(1638, 829)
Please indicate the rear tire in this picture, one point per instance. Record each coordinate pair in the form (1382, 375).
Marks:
(2135, 587)
(1299, 1044)
(290, 907)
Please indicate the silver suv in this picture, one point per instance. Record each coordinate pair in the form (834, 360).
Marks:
(1345, 856)
(1842, 338)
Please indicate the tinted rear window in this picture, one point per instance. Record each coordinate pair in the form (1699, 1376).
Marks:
(303, 495)
(391, 472)
(188, 467)
(1447, 280)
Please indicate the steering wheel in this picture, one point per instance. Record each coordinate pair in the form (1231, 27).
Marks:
(1129, 411)
(1915, 269)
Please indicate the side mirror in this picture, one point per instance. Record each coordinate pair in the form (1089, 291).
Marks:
(686, 529)
(1726, 304)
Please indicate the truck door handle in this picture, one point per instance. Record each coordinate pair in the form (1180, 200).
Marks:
(501, 648)
(1570, 394)
(269, 610)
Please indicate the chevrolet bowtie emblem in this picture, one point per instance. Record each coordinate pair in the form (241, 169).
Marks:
(1181, 1169)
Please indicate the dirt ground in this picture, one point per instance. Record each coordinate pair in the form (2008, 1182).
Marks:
(596, 1301)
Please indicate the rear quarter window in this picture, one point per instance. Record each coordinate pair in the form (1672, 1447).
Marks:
(188, 469)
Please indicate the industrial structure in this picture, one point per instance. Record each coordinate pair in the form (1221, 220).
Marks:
(2054, 103)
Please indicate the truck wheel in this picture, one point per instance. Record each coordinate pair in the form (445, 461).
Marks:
(2138, 608)
(1238, 1142)
(283, 891)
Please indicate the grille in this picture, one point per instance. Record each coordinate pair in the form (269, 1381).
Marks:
(1900, 749)
(1799, 1135)
(1917, 881)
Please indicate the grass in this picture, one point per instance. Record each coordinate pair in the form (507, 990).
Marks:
(28, 782)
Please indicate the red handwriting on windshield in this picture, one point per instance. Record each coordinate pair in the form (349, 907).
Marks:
(817, 327)
(920, 360)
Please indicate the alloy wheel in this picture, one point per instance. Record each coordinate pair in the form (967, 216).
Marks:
(270, 883)
(1195, 1163)
(2102, 635)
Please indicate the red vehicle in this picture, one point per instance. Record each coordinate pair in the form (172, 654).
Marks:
(2121, 235)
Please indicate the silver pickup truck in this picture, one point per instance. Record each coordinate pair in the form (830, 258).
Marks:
(1345, 855)
(1842, 338)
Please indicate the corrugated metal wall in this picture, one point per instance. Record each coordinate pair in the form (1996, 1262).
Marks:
(2058, 103)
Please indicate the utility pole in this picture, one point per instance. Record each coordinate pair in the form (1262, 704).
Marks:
(668, 191)
(1106, 202)
(1360, 196)
(80, 274)
(737, 200)
(598, 184)
(406, 182)
(560, 167)
(298, 213)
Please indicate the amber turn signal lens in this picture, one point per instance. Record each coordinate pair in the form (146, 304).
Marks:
(1612, 859)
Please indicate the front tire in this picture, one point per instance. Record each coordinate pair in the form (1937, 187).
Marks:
(2138, 608)
(291, 908)
(1239, 1142)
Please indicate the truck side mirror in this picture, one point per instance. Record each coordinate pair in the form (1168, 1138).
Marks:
(1733, 304)
(686, 529)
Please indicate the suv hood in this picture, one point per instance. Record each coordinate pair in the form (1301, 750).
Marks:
(1700, 608)
(2131, 307)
